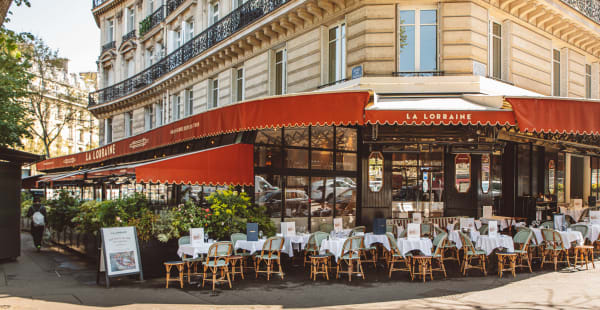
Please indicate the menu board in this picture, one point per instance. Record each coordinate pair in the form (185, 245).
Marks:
(493, 229)
(416, 218)
(467, 222)
(120, 250)
(413, 231)
(595, 217)
(338, 225)
(196, 236)
(487, 211)
(288, 228)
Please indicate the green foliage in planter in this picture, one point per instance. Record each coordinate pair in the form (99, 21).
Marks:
(144, 26)
(87, 220)
(26, 202)
(166, 226)
(61, 211)
(130, 211)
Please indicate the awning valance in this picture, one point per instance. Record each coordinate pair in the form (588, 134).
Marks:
(435, 111)
(556, 115)
(225, 165)
(339, 108)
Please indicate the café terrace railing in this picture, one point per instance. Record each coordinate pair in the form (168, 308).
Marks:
(246, 14)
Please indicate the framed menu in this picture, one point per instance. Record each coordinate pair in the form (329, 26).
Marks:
(416, 218)
(413, 231)
(196, 236)
(487, 211)
(577, 203)
(595, 217)
(120, 253)
(493, 229)
(559, 221)
(288, 228)
(338, 225)
(467, 222)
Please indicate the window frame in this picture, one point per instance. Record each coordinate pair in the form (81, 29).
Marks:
(556, 63)
(128, 119)
(213, 85)
(417, 24)
(189, 102)
(130, 19)
(492, 55)
(588, 81)
(340, 55)
(214, 16)
(110, 30)
(108, 130)
(148, 116)
(238, 84)
(283, 63)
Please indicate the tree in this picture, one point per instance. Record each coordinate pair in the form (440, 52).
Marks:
(49, 102)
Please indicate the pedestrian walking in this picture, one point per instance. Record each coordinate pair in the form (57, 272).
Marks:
(37, 212)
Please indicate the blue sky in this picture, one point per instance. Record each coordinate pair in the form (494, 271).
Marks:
(65, 25)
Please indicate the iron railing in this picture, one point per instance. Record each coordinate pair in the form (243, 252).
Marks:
(97, 3)
(128, 36)
(246, 14)
(589, 8)
(418, 73)
(109, 45)
(172, 5)
(333, 83)
(152, 20)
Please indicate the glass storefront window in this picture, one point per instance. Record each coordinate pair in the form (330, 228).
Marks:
(595, 165)
(321, 207)
(345, 201)
(268, 136)
(496, 175)
(297, 202)
(375, 171)
(485, 173)
(322, 160)
(560, 178)
(345, 161)
(523, 164)
(296, 136)
(322, 137)
(267, 192)
(296, 158)
(462, 175)
(267, 156)
(345, 139)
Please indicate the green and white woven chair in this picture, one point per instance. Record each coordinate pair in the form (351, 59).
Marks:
(470, 253)
(438, 253)
(351, 257)
(270, 253)
(554, 248)
(313, 247)
(522, 240)
(394, 256)
(190, 263)
(216, 263)
(235, 237)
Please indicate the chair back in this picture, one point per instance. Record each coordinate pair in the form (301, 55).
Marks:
(438, 230)
(218, 252)
(552, 238)
(547, 225)
(523, 238)
(438, 243)
(358, 229)
(183, 240)
(466, 241)
(393, 242)
(235, 237)
(389, 228)
(484, 229)
(352, 246)
(583, 229)
(456, 226)
(319, 237)
(426, 230)
(403, 233)
(272, 247)
(326, 227)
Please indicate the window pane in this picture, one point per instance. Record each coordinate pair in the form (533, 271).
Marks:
(345, 138)
(322, 137)
(332, 61)
(278, 78)
(295, 158)
(296, 136)
(297, 202)
(321, 209)
(267, 192)
(407, 17)
(497, 50)
(322, 160)
(428, 48)
(345, 201)
(267, 156)
(497, 29)
(556, 79)
(407, 53)
(345, 161)
(428, 17)
(268, 136)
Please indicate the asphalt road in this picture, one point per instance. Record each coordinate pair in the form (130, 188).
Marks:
(55, 279)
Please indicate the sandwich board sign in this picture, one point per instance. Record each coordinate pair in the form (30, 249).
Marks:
(120, 253)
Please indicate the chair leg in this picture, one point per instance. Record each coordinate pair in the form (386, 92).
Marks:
(228, 279)
(180, 269)
(168, 268)
(350, 271)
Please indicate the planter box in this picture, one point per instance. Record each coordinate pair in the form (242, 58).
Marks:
(154, 253)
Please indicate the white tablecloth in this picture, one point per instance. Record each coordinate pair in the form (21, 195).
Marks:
(406, 245)
(502, 223)
(298, 241)
(256, 246)
(593, 231)
(371, 238)
(342, 234)
(333, 246)
(455, 237)
(488, 244)
(574, 213)
(566, 236)
(193, 251)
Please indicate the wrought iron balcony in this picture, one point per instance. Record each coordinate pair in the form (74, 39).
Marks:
(152, 20)
(589, 8)
(97, 3)
(418, 73)
(241, 17)
(128, 36)
(109, 45)
(172, 5)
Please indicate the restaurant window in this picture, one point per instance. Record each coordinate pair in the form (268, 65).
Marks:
(108, 130)
(213, 85)
(280, 71)
(595, 182)
(418, 182)
(495, 50)
(496, 185)
(268, 136)
(296, 158)
(524, 170)
(238, 84)
(560, 178)
(189, 102)
(420, 50)
(297, 202)
(267, 156)
(267, 193)
(128, 124)
(588, 81)
(148, 116)
(555, 73)
(337, 52)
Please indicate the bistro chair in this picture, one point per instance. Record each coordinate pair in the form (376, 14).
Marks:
(394, 256)
(177, 264)
(403, 233)
(554, 248)
(371, 250)
(547, 225)
(313, 247)
(389, 228)
(450, 246)
(522, 240)
(216, 262)
(351, 256)
(326, 227)
(356, 230)
(471, 253)
(235, 237)
(271, 252)
(438, 253)
(536, 247)
(583, 229)
(190, 262)
(438, 230)
(427, 230)
(484, 229)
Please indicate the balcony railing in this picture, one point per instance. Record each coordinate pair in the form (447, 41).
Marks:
(97, 3)
(333, 83)
(246, 14)
(172, 5)
(109, 45)
(589, 8)
(418, 73)
(152, 20)
(128, 36)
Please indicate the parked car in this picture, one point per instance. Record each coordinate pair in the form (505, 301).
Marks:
(319, 193)
(296, 201)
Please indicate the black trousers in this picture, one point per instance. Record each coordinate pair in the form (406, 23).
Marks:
(37, 232)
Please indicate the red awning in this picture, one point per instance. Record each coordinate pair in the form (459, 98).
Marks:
(435, 111)
(338, 108)
(225, 165)
(555, 115)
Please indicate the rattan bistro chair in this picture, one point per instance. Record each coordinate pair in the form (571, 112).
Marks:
(484, 229)
(190, 263)
(471, 253)
(522, 240)
(554, 248)
(438, 253)
(547, 225)
(313, 247)
(216, 263)
(271, 252)
(583, 229)
(396, 257)
(351, 256)
(235, 237)
(357, 230)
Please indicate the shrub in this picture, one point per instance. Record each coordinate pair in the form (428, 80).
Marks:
(61, 211)
(87, 220)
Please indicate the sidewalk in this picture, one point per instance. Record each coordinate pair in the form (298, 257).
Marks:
(53, 279)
